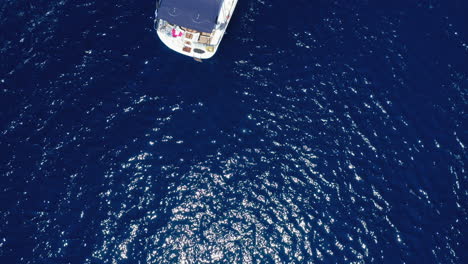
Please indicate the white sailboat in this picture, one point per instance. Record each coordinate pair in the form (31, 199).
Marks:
(193, 28)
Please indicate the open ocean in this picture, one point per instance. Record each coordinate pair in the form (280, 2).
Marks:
(321, 132)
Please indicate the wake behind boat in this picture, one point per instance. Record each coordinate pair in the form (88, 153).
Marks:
(194, 28)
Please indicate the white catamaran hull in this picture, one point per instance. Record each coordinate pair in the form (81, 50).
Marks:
(196, 44)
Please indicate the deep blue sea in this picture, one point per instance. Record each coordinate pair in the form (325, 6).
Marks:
(323, 131)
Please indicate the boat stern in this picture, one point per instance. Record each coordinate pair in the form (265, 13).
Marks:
(185, 41)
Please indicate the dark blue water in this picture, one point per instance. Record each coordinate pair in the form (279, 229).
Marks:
(321, 132)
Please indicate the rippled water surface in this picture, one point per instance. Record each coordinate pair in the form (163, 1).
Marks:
(321, 132)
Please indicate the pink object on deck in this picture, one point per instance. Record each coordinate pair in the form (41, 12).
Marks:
(174, 33)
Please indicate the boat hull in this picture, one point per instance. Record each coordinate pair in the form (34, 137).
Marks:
(198, 45)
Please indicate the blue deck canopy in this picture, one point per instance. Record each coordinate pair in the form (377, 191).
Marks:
(200, 15)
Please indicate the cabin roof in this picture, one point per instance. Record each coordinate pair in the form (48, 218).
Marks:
(200, 15)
